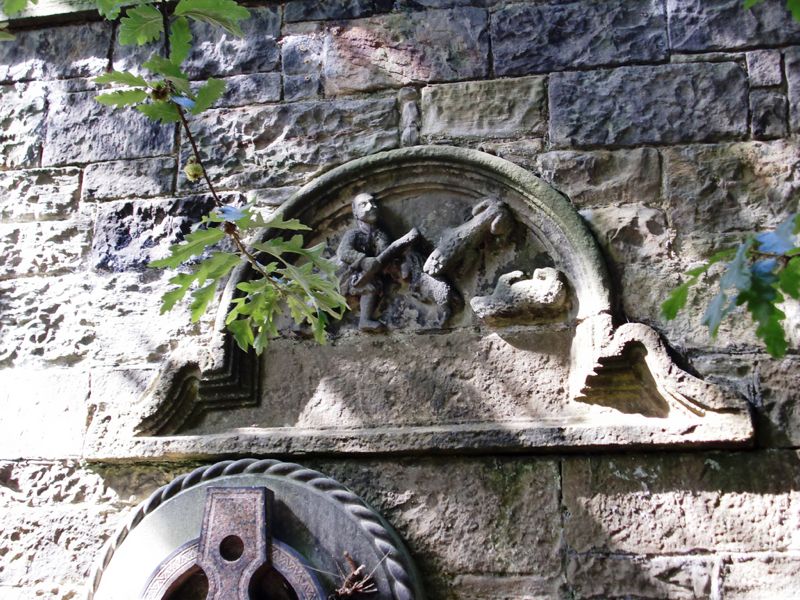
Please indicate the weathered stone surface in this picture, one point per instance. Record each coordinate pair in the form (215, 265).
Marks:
(631, 233)
(695, 102)
(505, 587)
(464, 515)
(696, 25)
(602, 576)
(276, 145)
(79, 129)
(129, 234)
(764, 68)
(792, 58)
(769, 384)
(45, 320)
(540, 38)
(485, 109)
(401, 48)
(312, 10)
(730, 187)
(41, 484)
(129, 178)
(22, 126)
(45, 420)
(744, 501)
(301, 58)
(760, 577)
(46, 248)
(215, 52)
(40, 194)
(49, 551)
(768, 114)
(255, 88)
(57, 52)
(604, 178)
(524, 153)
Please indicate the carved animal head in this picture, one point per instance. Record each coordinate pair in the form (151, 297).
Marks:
(497, 213)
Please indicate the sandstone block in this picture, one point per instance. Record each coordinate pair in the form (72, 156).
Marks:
(760, 577)
(56, 52)
(697, 25)
(255, 88)
(768, 114)
(39, 194)
(538, 38)
(792, 58)
(45, 320)
(129, 178)
(466, 515)
(604, 178)
(764, 68)
(22, 128)
(46, 248)
(485, 109)
(79, 129)
(41, 484)
(44, 413)
(277, 145)
(603, 576)
(730, 187)
(215, 52)
(129, 234)
(631, 233)
(699, 102)
(312, 10)
(401, 48)
(505, 587)
(653, 504)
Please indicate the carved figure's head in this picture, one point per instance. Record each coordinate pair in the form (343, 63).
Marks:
(495, 211)
(365, 209)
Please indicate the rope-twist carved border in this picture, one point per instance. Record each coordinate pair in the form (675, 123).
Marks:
(398, 575)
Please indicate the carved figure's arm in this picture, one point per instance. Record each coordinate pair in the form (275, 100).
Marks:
(347, 253)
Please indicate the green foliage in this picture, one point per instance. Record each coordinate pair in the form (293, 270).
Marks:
(121, 77)
(758, 275)
(14, 7)
(793, 6)
(5, 35)
(109, 8)
(225, 14)
(122, 97)
(160, 111)
(208, 95)
(180, 40)
(141, 25)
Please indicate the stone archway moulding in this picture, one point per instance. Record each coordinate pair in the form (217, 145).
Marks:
(523, 353)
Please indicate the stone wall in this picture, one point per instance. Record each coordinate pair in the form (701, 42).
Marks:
(672, 125)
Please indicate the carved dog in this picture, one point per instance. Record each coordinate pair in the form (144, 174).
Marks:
(489, 217)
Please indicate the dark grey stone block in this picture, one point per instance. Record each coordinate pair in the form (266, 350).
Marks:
(792, 60)
(768, 114)
(218, 53)
(255, 88)
(664, 104)
(764, 68)
(540, 38)
(698, 25)
(314, 10)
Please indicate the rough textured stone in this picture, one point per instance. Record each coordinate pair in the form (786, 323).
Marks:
(485, 109)
(57, 52)
(22, 107)
(603, 178)
(312, 10)
(730, 187)
(40, 194)
(45, 320)
(47, 248)
(769, 384)
(655, 504)
(42, 484)
(276, 145)
(601, 576)
(696, 25)
(397, 49)
(764, 68)
(46, 420)
(129, 178)
(215, 52)
(792, 58)
(630, 233)
(80, 129)
(301, 58)
(463, 516)
(637, 105)
(256, 88)
(760, 577)
(547, 37)
(129, 234)
(768, 111)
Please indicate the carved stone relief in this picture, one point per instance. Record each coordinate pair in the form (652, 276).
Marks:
(482, 319)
